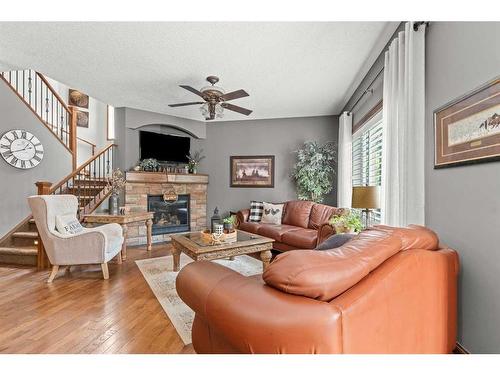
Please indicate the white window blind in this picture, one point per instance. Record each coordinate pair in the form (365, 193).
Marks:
(367, 157)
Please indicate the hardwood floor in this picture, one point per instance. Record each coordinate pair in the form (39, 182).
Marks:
(82, 313)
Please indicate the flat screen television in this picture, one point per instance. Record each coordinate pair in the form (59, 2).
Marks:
(163, 147)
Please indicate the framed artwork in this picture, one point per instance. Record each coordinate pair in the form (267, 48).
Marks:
(82, 119)
(467, 130)
(78, 99)
(252, 171)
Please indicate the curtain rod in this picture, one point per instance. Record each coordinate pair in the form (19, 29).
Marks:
(368, 90)
(416, 26)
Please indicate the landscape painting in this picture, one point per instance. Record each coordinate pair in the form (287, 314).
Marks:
(252, 171)
(467, 130)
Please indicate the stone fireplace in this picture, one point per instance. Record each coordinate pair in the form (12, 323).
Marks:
(144, 192)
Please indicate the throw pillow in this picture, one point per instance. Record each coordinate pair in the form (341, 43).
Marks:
(256, 210)
(68, 224)
(334, 241)
(272, 213)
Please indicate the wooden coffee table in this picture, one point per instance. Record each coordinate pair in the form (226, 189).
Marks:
(193, 246)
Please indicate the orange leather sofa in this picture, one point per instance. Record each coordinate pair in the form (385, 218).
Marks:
(389, 290)
(301, 226)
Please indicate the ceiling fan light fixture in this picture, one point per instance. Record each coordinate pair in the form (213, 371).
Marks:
(216, 100)
(213, 88)
(219, 110)
(204, 110)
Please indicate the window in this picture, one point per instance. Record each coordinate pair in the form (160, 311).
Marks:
(111, 123)
(367, 157)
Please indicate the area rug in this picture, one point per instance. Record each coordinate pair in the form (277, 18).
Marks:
(161, 279)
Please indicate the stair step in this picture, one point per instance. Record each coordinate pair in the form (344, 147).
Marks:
(19, 255)
(29, 235)
(88, 181)
(19, 250)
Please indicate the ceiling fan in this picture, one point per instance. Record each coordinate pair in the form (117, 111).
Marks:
(215, 100)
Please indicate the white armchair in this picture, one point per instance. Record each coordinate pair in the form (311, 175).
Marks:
(92, 246)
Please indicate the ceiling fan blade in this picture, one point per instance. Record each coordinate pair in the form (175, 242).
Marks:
(193, 90)
(235, 108)
(183, 104)
(234, 95)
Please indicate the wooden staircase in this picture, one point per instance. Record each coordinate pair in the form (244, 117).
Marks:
(89, 183)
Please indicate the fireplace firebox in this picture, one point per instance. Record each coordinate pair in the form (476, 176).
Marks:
(169, 217)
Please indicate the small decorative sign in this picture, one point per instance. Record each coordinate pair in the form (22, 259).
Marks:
(467, 130)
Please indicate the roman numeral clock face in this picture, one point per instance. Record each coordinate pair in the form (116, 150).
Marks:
(21, 149)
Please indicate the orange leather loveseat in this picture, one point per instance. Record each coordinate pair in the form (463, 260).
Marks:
(389, 290)
(301, 227)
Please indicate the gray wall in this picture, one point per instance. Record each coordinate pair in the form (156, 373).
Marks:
(462, 203)
(279, 137)
(16, 184)
(128, 123)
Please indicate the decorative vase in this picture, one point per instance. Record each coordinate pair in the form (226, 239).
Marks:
(228, 227)
(114, 204)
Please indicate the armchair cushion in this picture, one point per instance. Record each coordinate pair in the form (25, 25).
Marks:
(68, 224)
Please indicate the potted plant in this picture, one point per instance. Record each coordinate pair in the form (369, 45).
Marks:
(229, 223)
(194, 160)
(314, 171)
(116, 183)
(149, 165)
(346, 223)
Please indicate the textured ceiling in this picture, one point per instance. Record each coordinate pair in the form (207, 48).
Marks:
(289, 69)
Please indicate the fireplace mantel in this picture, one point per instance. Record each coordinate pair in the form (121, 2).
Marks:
(166, 178)
(140, 185)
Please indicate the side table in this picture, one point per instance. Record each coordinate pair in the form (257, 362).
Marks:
(124, 220)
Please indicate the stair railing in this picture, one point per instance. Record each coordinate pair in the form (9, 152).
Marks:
(38, 94)
(89, 183)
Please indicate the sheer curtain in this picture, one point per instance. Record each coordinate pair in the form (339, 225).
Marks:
(404, 112)
(344, 166)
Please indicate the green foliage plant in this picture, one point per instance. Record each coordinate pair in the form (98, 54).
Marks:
(314, 171)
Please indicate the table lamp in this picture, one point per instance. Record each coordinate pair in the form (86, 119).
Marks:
(367, 198)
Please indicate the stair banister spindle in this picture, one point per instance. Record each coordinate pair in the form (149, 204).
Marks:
(72, 135)
(35, 95)
(29, 86)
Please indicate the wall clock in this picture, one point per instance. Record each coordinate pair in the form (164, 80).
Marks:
(21, 149)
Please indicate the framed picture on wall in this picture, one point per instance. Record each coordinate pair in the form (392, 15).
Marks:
(252, 171)
(78, 99)
(467, 130)
(82, 119)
